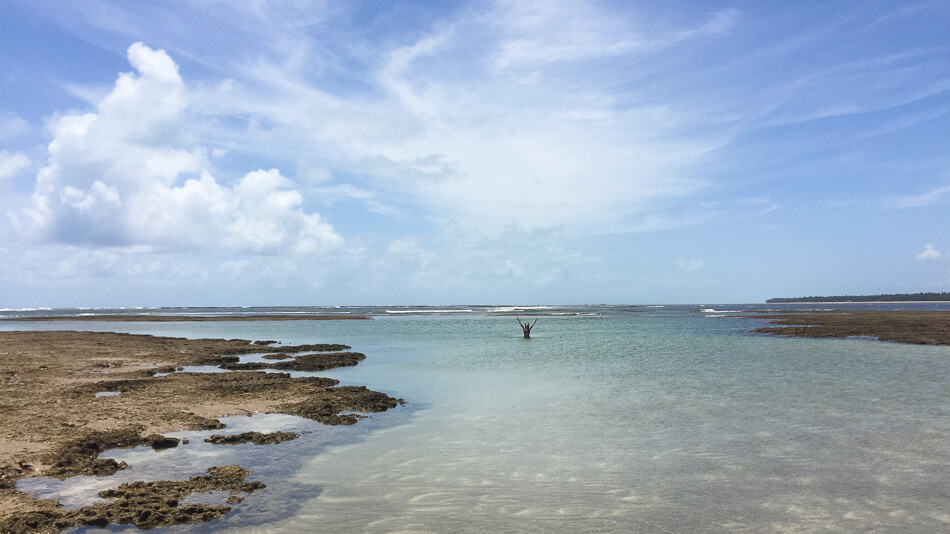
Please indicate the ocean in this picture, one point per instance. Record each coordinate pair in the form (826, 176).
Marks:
(609, 419)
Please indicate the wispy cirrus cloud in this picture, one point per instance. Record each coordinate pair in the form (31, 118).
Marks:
(472, 120)
(271, 128)
(479, 118)
(927, 198)
(537, 34)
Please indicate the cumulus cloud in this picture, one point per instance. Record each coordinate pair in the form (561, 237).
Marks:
(929, 253)
(12, 163)
(125, 174)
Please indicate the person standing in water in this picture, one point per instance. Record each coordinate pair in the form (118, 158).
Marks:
(526, 327)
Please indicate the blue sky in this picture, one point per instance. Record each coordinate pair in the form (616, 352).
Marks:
(266, 153)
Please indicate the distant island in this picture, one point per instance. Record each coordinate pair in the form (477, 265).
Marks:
(895, 297)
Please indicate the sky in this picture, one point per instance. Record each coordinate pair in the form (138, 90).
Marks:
(217, 153)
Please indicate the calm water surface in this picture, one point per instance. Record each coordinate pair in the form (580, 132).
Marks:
(615, 419)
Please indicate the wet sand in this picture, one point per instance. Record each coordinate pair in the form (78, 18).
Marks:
(918, 327)
(187, 318)
(52, 423)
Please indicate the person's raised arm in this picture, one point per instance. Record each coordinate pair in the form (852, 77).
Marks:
(519, 322)
(534, 323)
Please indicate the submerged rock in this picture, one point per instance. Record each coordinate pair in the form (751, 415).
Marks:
(78, 456)
(158, 441)
(257, 438)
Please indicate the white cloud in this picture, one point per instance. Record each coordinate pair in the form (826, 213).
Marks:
(928, 198)
(690, 265)
(409, 249)
(928, 253)
(539, 33)
(12, 126)
(507, 268)
(127, 175)
(582, 31)
(12, 163)
(905, 121)
(483, 146)
(234, 268)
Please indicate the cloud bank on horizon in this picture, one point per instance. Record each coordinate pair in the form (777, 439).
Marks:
(206, 153)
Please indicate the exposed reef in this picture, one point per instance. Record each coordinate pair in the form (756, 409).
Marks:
(53, 423)
(143, 504)
(902, 326)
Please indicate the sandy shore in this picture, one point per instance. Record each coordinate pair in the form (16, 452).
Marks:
(919, 327)
(53, 424)
(188, 318)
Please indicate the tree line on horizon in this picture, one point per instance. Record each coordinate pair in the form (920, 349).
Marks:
(890, 297)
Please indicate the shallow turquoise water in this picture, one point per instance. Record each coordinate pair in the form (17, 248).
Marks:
(663, 420)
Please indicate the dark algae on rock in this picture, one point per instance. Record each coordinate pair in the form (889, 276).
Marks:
(328, 409)
(304, 362)
(256, 438)
(276, 356)
(321, 362)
